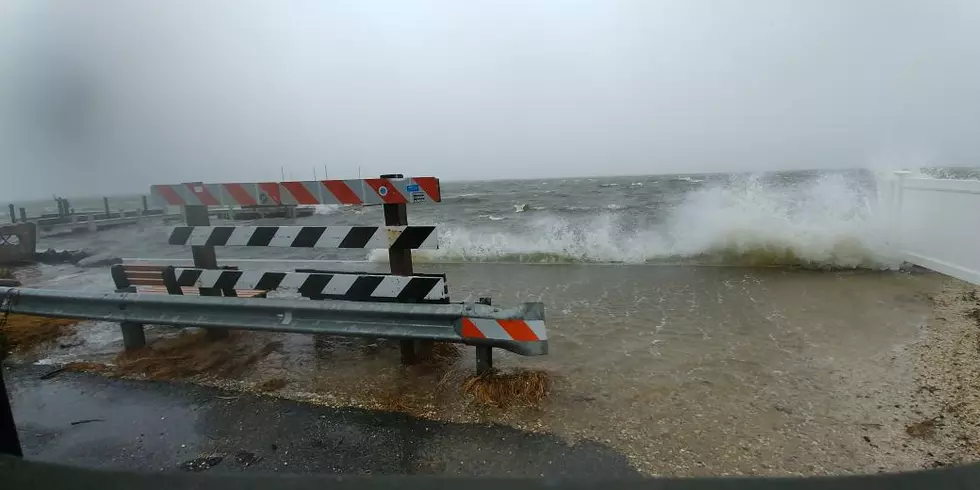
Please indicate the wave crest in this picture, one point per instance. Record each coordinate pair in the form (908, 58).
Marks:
(827, 223)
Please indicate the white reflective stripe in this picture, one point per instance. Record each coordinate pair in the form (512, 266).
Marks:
(217, 191)
(284, 236)
(316, 189)
(432, 241)
(199, 235)
(189, 197)
(324, 194)
(293, 280)
(390, 286)
(491, 329)
(249, 279)
(240, 236)
(339, 284)
(438, 291)
(363, 191)
(333, 236)
(537, 326)
(384, 236)
(208, 278)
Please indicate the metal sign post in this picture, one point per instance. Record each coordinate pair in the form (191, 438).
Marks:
(204, 257)
(400, 261)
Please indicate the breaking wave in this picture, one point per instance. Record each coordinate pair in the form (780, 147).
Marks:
(826, 223)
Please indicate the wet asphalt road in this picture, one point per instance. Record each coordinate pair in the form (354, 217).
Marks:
(91, 421)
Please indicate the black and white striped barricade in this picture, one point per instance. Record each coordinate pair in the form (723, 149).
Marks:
(401, 285)
(347, 286)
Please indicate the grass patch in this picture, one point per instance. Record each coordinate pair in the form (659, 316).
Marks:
(192, 354)
(23, 333)
(522, 387)
(443, 354)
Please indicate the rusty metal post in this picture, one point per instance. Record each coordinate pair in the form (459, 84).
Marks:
(400, 261)
(204, 258)
(13, 215)
(23, 215)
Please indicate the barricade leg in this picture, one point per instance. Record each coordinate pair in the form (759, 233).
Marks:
(204, 258)
(133, 335)
(400, 261)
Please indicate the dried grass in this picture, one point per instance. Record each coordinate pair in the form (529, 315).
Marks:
(22, 333)
(443, 354)
(6, 273)
(503, 390)
(192, 355)
(87, 367)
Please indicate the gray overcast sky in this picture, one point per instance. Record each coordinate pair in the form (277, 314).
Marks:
(114, 95)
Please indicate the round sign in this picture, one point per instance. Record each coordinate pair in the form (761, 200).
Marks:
(383, 191)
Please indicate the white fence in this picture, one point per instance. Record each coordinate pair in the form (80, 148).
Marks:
(935, 222)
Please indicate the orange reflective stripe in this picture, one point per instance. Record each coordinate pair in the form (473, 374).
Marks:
(342, 191)
(431, 187)
(170, 195)
(299, 192)
(469, 330)
(240, 195)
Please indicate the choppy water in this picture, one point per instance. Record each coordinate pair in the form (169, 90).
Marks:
(653, 347)
(806, 219)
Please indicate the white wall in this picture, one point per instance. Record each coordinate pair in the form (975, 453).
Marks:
(935, 222)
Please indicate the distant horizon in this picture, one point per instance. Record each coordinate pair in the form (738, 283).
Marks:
(443, 180)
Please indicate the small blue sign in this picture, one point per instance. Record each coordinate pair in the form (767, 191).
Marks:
(412, 188)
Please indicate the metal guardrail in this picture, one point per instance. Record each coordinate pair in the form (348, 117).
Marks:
(439, 322)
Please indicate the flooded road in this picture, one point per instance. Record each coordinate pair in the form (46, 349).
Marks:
(686, 370)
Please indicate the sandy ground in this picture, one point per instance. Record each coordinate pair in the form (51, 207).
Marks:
(947, 395)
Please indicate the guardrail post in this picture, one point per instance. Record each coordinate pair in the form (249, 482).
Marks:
(23, 215)
(105, 202)
(484, 353)
(13, 216)
(146, 205)
(9, 443)
(204, 258)
(400, 261)
(133, 335)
